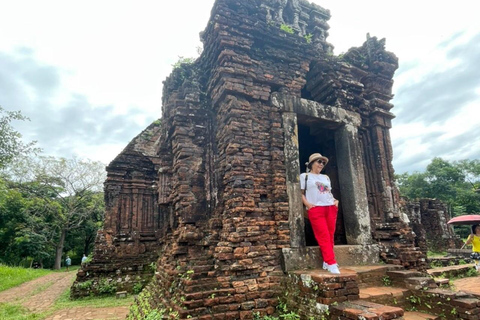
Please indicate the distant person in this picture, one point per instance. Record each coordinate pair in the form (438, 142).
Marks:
(68, 263)
(322, 208)
(474, 240)
(84, 259)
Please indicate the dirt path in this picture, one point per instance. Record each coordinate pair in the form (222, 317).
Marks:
(40, 294)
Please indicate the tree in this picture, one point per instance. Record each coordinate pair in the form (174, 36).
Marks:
(18, 216)
(455, 183)
(69, 190)
(11, 144)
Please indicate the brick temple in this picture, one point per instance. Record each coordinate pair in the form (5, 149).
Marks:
(209, 198)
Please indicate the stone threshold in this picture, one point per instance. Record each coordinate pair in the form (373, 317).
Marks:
(347, 255)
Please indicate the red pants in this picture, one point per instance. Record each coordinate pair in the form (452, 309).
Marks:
(323, 221)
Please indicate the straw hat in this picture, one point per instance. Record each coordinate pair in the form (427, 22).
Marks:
(315, 157)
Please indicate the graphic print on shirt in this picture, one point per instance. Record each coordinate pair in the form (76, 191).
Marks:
(323, 188)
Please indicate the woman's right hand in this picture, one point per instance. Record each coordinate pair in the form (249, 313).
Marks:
(469, 239)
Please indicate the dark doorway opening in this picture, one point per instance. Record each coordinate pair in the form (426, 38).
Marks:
(314, 136)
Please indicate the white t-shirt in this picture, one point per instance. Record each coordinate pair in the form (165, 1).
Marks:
(319, 189)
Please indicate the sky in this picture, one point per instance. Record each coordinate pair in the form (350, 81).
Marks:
(89, 74)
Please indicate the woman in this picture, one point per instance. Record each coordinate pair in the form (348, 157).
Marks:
(474, 240)
(322, 208)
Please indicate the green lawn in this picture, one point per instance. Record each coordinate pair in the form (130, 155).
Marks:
(64, 301)
(13, 276)
(16, 312)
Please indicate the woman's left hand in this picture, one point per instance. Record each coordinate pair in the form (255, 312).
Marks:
(336, 202)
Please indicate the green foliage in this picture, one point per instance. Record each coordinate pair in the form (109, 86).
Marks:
(471, 273)
(436, 264)
(386, 281)
(137, 288)
(182, 61)
(85, 285)
(283, 311)
(455, 183)
(13, 276)
(16, 312)
(286, 28)
(155, 315)
(308, 38)
(153, 266)
(11, 144)
(432, 254)
(106, 287)
(64, 302)
(50, 203)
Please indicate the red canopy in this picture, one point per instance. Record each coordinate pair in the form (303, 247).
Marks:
(465, 219)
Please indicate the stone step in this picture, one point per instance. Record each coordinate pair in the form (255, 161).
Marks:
(437, 262)
(420, 283)
(323, 286)
(365, 310)
(415, 315)
(373, 275)
(451, 304)
(442, 282)
(451, 271)
(384, 295)
(346, 255)
(398, 277)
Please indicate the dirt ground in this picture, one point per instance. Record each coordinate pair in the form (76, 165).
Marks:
(40, 294)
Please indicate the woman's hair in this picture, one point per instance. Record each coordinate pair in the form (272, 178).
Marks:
(474, 227)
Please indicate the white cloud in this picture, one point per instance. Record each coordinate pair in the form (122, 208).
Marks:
(98, 67)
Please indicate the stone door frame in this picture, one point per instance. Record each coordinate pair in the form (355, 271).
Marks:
(349, 160)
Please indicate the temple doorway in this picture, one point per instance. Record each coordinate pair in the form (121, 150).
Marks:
(315, 136)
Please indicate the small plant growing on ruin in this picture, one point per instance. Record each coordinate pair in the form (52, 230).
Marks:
(436, 264)
(84, 285)
(155, 314)
(182, 61)
(286, 28)
(413, 299)
(308, 38)
(153, 266)
(106, 287)
(386, 281)
(471, 273)
(137, 288)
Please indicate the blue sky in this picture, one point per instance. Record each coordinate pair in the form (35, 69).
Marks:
(89, 74)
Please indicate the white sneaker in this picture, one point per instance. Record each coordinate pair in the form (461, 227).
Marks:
(333, 268)
(324, 265)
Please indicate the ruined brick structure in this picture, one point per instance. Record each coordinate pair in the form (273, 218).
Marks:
(428, 218)
(217, 191)
(128, 243)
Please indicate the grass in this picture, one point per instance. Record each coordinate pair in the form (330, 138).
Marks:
(433, 254)
(16, 312)
(13, 276)
(64, 302)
